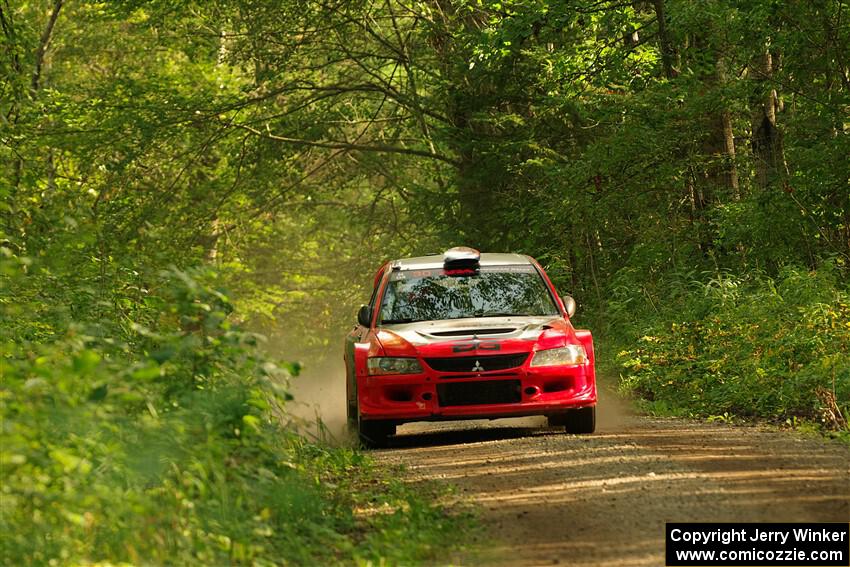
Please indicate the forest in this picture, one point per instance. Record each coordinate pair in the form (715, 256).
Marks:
(195, 195)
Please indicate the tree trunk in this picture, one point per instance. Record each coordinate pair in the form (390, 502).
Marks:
(478, 181)
(668, 52)
(43, 44)
(727, 136)
(766, 136)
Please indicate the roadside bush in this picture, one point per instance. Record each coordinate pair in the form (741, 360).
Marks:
(160, 443)
(761, 347)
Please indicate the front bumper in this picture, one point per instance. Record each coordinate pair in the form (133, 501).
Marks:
(416, 397)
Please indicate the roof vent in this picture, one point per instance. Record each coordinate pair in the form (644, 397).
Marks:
(461, 257)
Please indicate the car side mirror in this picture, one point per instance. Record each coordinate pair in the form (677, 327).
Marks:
(569, 304)
(364, 316)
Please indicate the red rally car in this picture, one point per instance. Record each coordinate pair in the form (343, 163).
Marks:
(466, 335)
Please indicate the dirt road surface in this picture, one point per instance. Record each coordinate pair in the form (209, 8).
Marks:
(548, 498)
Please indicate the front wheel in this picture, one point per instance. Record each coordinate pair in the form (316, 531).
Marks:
(581, 420)
(351, 414)
(374, 433)
(558, 419)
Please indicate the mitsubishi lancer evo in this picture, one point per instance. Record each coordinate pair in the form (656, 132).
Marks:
(467, 335)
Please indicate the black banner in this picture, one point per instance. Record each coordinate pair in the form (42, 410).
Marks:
(762, 545)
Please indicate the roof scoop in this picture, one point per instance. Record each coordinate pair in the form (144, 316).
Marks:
(461, 257)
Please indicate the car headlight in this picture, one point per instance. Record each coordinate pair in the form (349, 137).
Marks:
(570, 354)
(389, 365)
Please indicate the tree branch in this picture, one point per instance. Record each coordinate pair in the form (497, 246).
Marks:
(43, 43)
(348, 146)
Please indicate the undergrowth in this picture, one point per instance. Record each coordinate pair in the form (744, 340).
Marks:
(730, 347)
(154, 438)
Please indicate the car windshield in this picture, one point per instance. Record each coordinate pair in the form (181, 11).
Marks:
(428, 295)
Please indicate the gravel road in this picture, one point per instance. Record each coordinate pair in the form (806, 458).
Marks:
(548, 498)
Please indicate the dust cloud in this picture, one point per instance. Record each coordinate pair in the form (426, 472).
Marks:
(613, 412)
(319, 405)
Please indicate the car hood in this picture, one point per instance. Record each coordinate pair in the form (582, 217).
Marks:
(490, 335)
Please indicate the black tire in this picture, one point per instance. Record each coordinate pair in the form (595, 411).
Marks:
(581, 420)
(557, 419)
(351, 413)
(374, 433)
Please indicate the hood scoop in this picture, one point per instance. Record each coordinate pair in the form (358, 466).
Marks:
(470, 332)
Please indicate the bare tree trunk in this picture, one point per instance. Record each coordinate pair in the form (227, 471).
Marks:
(731, 169)
(766, 136)
(211, 242)
(727, 135)
(718, 178)
(43, 44)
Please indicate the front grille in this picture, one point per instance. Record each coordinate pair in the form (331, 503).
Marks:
(476, 376)
(477, 363)
(477, 393)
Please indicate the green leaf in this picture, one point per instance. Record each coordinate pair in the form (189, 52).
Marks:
(99, 393)
(85, 361)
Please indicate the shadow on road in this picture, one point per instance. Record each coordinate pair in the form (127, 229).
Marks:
(614, 414)
(433, 438)
(602, 500)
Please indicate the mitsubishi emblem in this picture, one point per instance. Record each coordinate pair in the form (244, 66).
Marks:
(477, 367)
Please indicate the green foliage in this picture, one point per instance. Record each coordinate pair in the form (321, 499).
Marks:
(293, 146)
(161, 443)
(757, 347)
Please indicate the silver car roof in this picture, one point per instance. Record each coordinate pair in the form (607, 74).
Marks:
(436, 261)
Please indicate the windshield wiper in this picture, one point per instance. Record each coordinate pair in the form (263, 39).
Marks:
(399, 321)
(497, 314)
